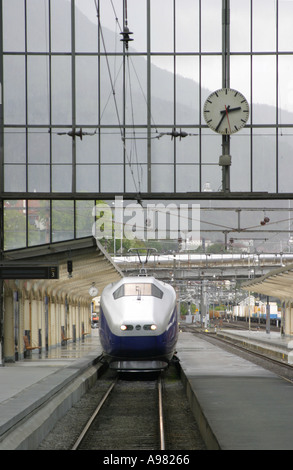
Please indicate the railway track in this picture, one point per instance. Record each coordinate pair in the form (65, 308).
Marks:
(146, 429)
(129, 412)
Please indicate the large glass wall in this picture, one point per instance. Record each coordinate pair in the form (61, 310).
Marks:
(84, 116)
(65, 69)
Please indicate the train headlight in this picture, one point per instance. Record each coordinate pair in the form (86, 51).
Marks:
(150, 327)
(126, 327)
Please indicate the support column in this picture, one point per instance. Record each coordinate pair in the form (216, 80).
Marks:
(225, 158)
(8, 333)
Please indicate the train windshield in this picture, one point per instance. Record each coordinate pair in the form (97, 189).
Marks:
(139, 290)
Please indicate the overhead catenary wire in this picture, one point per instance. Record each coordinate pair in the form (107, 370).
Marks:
(112, 83)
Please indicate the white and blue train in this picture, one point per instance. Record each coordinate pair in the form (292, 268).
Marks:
(138, 324)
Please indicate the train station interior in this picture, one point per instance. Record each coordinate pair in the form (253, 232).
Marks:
(131, 146)
(103, 129)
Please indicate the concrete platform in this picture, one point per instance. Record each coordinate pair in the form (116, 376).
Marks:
(272, 344)
(36, 392)
(238, 405)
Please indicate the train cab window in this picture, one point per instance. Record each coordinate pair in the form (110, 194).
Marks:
(139, 290)
(119, 292)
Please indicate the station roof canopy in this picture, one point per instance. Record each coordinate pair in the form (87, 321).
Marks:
(277, 283)
(90, 264)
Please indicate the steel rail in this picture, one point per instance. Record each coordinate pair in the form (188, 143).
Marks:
(161, 415)
(94, 415)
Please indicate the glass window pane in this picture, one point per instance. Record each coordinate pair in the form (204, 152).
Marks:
(86, 26)
(211, 146)
(211, 178)
(136, 178)
(162, 31)
(14, 90)
(187, 26)
(61, 90)
(111, 147)
(61, 146)
(240, 26)
(240, 167)
(285, 89)
(38, 178)
(187, 149)
(264, 90)
(163, 90)
(37, 26)
(87, 178)
(14, 224)
(211, 77)
(112, 178)
(187, 90)
(187, 178)
(87, 90)
(162, 178)
(111, 15)
(13, 14)
(240, 81)
(110, 105)
(136, 146)
(163, 148)
(87, 148)
(62, 220)
(15, 145)
(38, 90)
(136, 91)
(211, 26)
(84, 218)
(285, 25)
(264, 25)
(137, 16)
(14, 178)
(61, 178)
(38, 146)
(38, 222)
(264, 160)
(60, 26)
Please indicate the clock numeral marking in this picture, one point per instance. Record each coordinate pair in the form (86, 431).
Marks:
(209, 121)
(243, 120)
(236, 128)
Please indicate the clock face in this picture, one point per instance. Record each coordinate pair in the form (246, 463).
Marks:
(93, 291)
(226, 111)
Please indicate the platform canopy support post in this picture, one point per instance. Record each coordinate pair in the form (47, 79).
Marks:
(268, 319)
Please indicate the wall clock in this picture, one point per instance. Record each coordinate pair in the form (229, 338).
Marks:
(93, 291)
(226, 111)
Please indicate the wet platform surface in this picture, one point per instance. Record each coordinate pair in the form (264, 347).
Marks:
(244, 406)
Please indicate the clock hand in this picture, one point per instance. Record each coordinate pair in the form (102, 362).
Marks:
(228, 117)
(230, 110)
(221, 120)
(223, 117)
